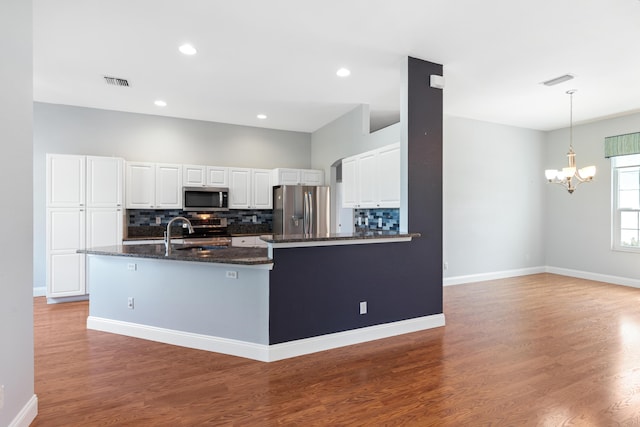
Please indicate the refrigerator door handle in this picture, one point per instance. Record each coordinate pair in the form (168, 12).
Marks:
(305, 229)
(312, 214)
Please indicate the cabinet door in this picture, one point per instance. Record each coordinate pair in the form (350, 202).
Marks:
(239, 188)
(194, 175)
(350, 182)
(217, 176)
(140, 185)
(389, 176)
(367, 180)
(284, 176)
(262, 191)
(104, 227)
(168, 186)
(65, 180)
(311, 177)
(65, 267)
(104, 181)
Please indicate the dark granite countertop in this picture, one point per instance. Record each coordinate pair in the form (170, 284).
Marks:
(371, 234)
(227, 255)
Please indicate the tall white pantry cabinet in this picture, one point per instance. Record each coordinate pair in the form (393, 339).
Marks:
(84, 209)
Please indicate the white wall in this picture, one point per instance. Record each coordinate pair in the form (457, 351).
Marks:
(578, 232)
(493, 198)
(16, 304)
(77, 130)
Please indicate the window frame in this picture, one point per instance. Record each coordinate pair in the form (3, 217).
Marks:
(618, 164)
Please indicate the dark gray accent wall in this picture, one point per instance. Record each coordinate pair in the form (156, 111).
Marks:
(317, 290)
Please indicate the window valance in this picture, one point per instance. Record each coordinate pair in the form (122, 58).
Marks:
(622, 145)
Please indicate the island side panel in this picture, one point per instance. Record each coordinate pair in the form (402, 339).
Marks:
(317, 290)
(183, 296)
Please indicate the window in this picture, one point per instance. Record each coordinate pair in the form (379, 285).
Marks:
(626, 203)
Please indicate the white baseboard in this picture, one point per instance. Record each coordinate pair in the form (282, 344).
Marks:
(354, 336)
(40, 291)
(28, 413)
(264, 352)
(481, 277)
(616, 280)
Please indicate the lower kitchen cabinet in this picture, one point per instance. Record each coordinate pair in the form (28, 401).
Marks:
(70, 229)
(65, 267)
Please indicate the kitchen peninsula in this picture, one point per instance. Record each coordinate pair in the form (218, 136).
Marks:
(301, 295)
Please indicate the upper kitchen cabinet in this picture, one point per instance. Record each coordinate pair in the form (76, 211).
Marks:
(153, 185)
(218, 176)
(194, 175)
(285, 176)
(372, 179)
(65, 180)
(104, 181)
(198, 176)
(250, 188)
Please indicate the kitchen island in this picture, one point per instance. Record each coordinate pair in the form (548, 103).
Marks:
(302, 294)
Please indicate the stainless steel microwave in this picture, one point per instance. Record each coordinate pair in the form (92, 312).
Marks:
(205, 199)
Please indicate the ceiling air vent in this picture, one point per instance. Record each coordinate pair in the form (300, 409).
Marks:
(558, 80)
(115, 81)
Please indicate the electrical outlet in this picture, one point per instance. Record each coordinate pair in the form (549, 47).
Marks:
(379, 222)
(445, 265)
(1, 396)
(254, 219)
(363, 307)
(158, 220)
(132, 266)
(130, 303)
(232, 274)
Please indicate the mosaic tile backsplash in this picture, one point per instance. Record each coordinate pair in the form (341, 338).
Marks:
(390, 218)
(146, 217)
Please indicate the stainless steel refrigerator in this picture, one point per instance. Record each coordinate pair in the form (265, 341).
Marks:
(300, 209)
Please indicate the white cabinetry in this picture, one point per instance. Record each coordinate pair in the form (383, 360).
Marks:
(194, 175)
(217, 176)
(197, 175)
(153, 185)
(250, 188)
(84, 209)
(285, 176)
(372, 179)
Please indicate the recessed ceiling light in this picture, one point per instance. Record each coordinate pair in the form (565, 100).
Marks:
(343, 72)
(160, 103)
(187, 49)
(262, 116)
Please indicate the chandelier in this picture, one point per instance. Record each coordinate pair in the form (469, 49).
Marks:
(570, 177)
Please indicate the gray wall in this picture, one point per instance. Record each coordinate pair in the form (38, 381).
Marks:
(16, 171)
(578, 232)
(494, 197)
(77, 130)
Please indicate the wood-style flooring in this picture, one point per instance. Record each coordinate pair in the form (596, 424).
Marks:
(539, 350)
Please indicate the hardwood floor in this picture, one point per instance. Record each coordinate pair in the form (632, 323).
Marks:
(540, 350)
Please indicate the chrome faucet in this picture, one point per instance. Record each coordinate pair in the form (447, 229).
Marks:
(167, 234)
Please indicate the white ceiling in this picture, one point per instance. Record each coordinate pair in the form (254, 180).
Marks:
(279, 57)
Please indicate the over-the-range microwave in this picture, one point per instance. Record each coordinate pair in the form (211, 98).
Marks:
(205, 199)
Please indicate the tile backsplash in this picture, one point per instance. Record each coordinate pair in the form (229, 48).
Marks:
(146, 217)
(390, 218)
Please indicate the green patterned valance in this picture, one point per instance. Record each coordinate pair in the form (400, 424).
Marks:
(622, 145)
